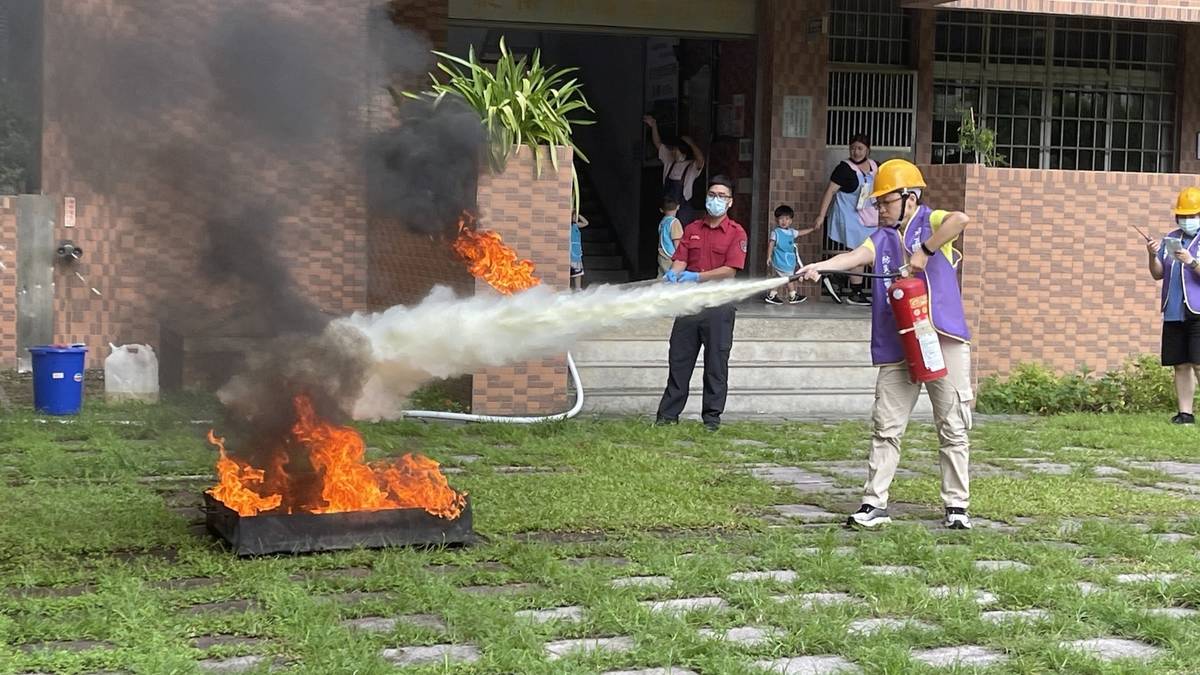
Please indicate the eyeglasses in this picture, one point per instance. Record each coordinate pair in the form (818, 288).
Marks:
(719, 196)
(881, 204)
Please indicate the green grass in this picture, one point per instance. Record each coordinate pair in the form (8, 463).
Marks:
(88, 511)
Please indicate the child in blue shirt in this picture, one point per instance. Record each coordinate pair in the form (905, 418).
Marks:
(670, 231)
(783, 257)
(577, 221)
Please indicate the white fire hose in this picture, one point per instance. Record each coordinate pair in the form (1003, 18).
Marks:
(506, 419)
(513, 419)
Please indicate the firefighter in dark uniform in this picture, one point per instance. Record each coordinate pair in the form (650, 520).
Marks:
(712, 248)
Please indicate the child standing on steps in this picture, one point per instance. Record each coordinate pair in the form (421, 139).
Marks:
(577, 222)
(670, 231)
(783, 256)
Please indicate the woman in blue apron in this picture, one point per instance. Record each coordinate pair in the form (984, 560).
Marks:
(853, 214)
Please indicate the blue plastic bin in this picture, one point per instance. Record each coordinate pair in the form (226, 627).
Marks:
(58, 378)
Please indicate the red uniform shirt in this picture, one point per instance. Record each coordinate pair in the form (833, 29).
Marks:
(706, 248)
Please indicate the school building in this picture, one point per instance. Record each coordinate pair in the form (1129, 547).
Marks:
(1090, 101)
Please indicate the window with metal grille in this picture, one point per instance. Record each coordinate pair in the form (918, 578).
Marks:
(947, 99)
(1060, 92)
(872, 32)
(879, 104)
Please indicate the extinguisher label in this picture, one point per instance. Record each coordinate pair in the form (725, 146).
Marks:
(931, 348)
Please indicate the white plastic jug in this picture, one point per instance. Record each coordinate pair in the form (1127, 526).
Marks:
(131, 374)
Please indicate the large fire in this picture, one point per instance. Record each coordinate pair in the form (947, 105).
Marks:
(490, 259)
(336, 478)
(343, 481)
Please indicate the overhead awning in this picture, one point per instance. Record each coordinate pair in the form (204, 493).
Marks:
(715, 17)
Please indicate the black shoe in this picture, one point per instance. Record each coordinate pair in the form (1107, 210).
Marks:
(859, 297)
(665, 421)
(712, 426)
(957, 518)
(796, 298)
(828, 283)
(773, 299)
(1183, 418)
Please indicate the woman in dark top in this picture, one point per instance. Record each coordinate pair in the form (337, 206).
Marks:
(854, 211)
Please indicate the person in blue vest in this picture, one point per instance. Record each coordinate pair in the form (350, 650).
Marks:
(913, 239)
(577, 221)
(670, 231)
(1176, 261)
(783, 256)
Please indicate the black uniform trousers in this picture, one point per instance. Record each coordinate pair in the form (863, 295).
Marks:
(712, 329)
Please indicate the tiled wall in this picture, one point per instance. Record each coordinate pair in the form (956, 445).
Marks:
(1149, 10)
(794, 65)
(533, 216)
(142, 233)
(1053, 272)
(8, 282)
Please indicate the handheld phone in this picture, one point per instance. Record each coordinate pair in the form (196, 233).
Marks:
(1171, 245)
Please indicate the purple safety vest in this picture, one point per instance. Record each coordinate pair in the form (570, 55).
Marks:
(945, 298)
(1191, 281)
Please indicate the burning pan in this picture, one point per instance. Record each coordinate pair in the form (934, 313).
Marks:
(265, 534)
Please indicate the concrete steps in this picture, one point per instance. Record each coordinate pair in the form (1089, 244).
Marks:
(794, 362)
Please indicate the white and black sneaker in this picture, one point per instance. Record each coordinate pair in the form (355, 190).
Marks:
(957, 518)
(773, 299)
(828, 283)
(868, 516)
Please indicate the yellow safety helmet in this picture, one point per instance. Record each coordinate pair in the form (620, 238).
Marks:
(899, 174)
(1187, 203)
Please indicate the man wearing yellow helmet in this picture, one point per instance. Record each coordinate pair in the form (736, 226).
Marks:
(913, 239)
(1175, 260)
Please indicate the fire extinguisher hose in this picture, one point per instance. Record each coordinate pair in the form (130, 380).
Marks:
(868, 275)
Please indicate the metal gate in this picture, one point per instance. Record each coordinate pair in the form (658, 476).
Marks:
(879, 103)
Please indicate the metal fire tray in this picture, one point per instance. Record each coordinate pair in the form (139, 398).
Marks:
(311, 532)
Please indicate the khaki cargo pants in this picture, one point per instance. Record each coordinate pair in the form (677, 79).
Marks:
(895, 397)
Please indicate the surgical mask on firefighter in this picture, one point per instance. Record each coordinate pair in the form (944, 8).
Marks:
(716, 206)
(1190, 225)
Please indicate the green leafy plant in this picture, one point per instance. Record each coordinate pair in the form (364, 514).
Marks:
(520, 101)
(978, 139)
(452, 395)
(1140, 385)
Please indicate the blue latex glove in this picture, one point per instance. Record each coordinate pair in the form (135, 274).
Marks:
(671, 277)
(692, 277)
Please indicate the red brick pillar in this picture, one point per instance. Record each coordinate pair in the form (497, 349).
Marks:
(8, 282)
(533, 215)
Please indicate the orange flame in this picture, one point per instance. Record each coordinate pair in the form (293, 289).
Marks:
(346, 482)
(490, 259)
(236, 483)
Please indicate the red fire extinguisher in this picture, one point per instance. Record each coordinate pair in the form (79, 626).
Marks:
(909, 299)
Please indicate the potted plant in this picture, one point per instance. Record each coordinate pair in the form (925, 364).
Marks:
(978, 139)
(519, 101)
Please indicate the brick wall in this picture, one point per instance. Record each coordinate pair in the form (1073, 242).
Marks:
(1149, 10)
(1052, 271)
(533, 215)
(794, 64)
(140, 235)
(8, 282)
(403, 266)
